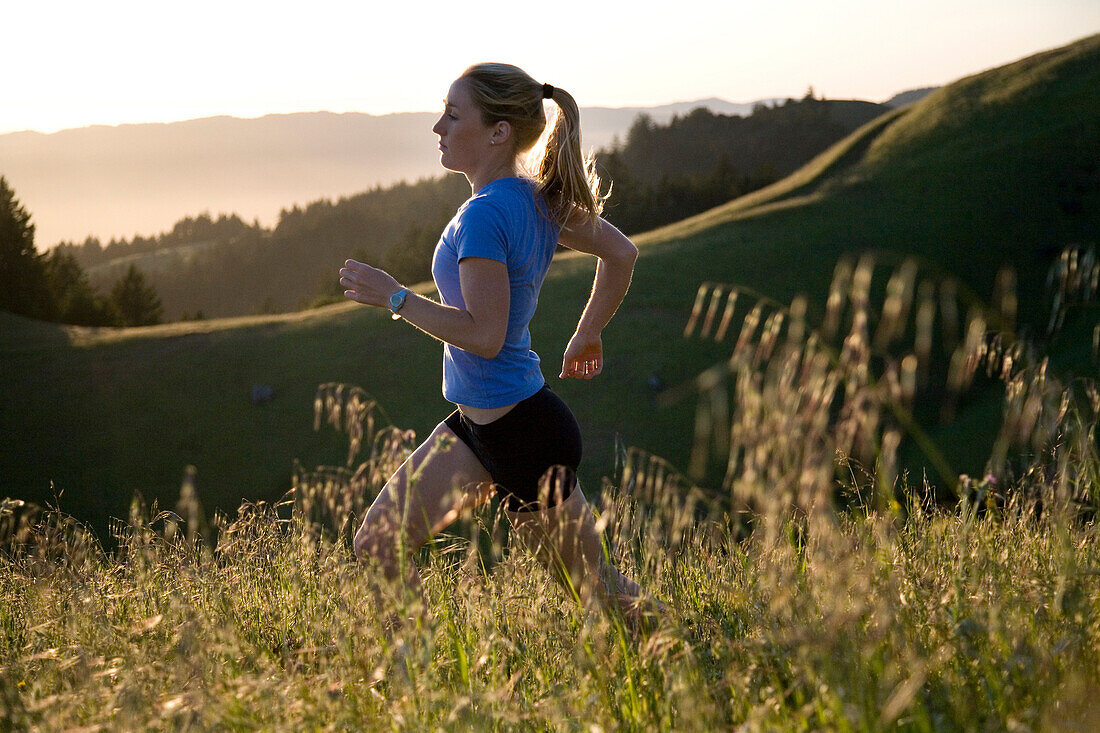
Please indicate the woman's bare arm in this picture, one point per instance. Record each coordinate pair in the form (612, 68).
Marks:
(479, 328)
(583, 357)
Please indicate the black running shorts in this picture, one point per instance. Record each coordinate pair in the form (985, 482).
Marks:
(520, 448)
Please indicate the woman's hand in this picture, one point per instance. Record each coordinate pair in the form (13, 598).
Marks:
(367, 285)
(583, 357)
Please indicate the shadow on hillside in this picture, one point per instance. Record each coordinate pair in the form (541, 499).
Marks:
(20, 334)
(860, 143)
(800, 187)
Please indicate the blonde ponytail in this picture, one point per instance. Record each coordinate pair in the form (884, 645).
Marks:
(566, 179)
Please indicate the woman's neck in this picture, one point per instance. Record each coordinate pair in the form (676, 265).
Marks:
(480, 179)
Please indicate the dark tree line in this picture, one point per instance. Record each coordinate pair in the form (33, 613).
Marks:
(55, 287)
(232, 268)
(186, 233)
(664, 173)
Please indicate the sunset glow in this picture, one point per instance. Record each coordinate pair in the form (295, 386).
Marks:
(122, 61)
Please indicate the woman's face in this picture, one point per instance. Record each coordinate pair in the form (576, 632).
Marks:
(463, 137)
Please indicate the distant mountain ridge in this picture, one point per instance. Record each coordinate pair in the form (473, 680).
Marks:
(114, 182)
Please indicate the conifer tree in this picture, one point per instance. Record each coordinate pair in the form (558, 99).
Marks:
(136, 303)
(23, 286)
(75, 300)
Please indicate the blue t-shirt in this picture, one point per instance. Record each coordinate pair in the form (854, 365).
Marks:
(505, 221)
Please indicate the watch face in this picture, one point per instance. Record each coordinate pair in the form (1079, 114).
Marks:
(397, 300)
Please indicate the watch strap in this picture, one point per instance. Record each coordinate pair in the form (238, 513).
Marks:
(397, 301)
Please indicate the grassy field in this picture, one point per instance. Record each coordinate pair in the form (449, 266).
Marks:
(984, 618)
(811, 583)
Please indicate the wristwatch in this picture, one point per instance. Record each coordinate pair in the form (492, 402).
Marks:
(397, 300)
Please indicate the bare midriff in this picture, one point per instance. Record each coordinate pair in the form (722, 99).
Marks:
(484, 415)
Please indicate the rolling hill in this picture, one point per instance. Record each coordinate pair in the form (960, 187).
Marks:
(1001, 169)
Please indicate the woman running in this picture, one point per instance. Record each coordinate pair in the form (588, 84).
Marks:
(510, 434)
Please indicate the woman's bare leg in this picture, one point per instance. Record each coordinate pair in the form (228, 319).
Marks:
(431, 488)
(566, 542)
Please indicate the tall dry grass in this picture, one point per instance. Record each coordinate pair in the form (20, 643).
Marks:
(813, 585)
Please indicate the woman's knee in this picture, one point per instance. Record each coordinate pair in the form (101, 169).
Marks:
(364, 544)
(375, 542)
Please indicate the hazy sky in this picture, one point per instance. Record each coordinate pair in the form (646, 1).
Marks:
(117, 61)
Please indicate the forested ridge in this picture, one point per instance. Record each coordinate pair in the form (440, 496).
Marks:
(664, 173)
(215, 267)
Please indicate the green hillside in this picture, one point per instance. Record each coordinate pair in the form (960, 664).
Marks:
(997, 169)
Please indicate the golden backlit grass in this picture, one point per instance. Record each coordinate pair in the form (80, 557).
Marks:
(945, 620)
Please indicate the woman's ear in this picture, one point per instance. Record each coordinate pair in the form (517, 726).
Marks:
(502, 133)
